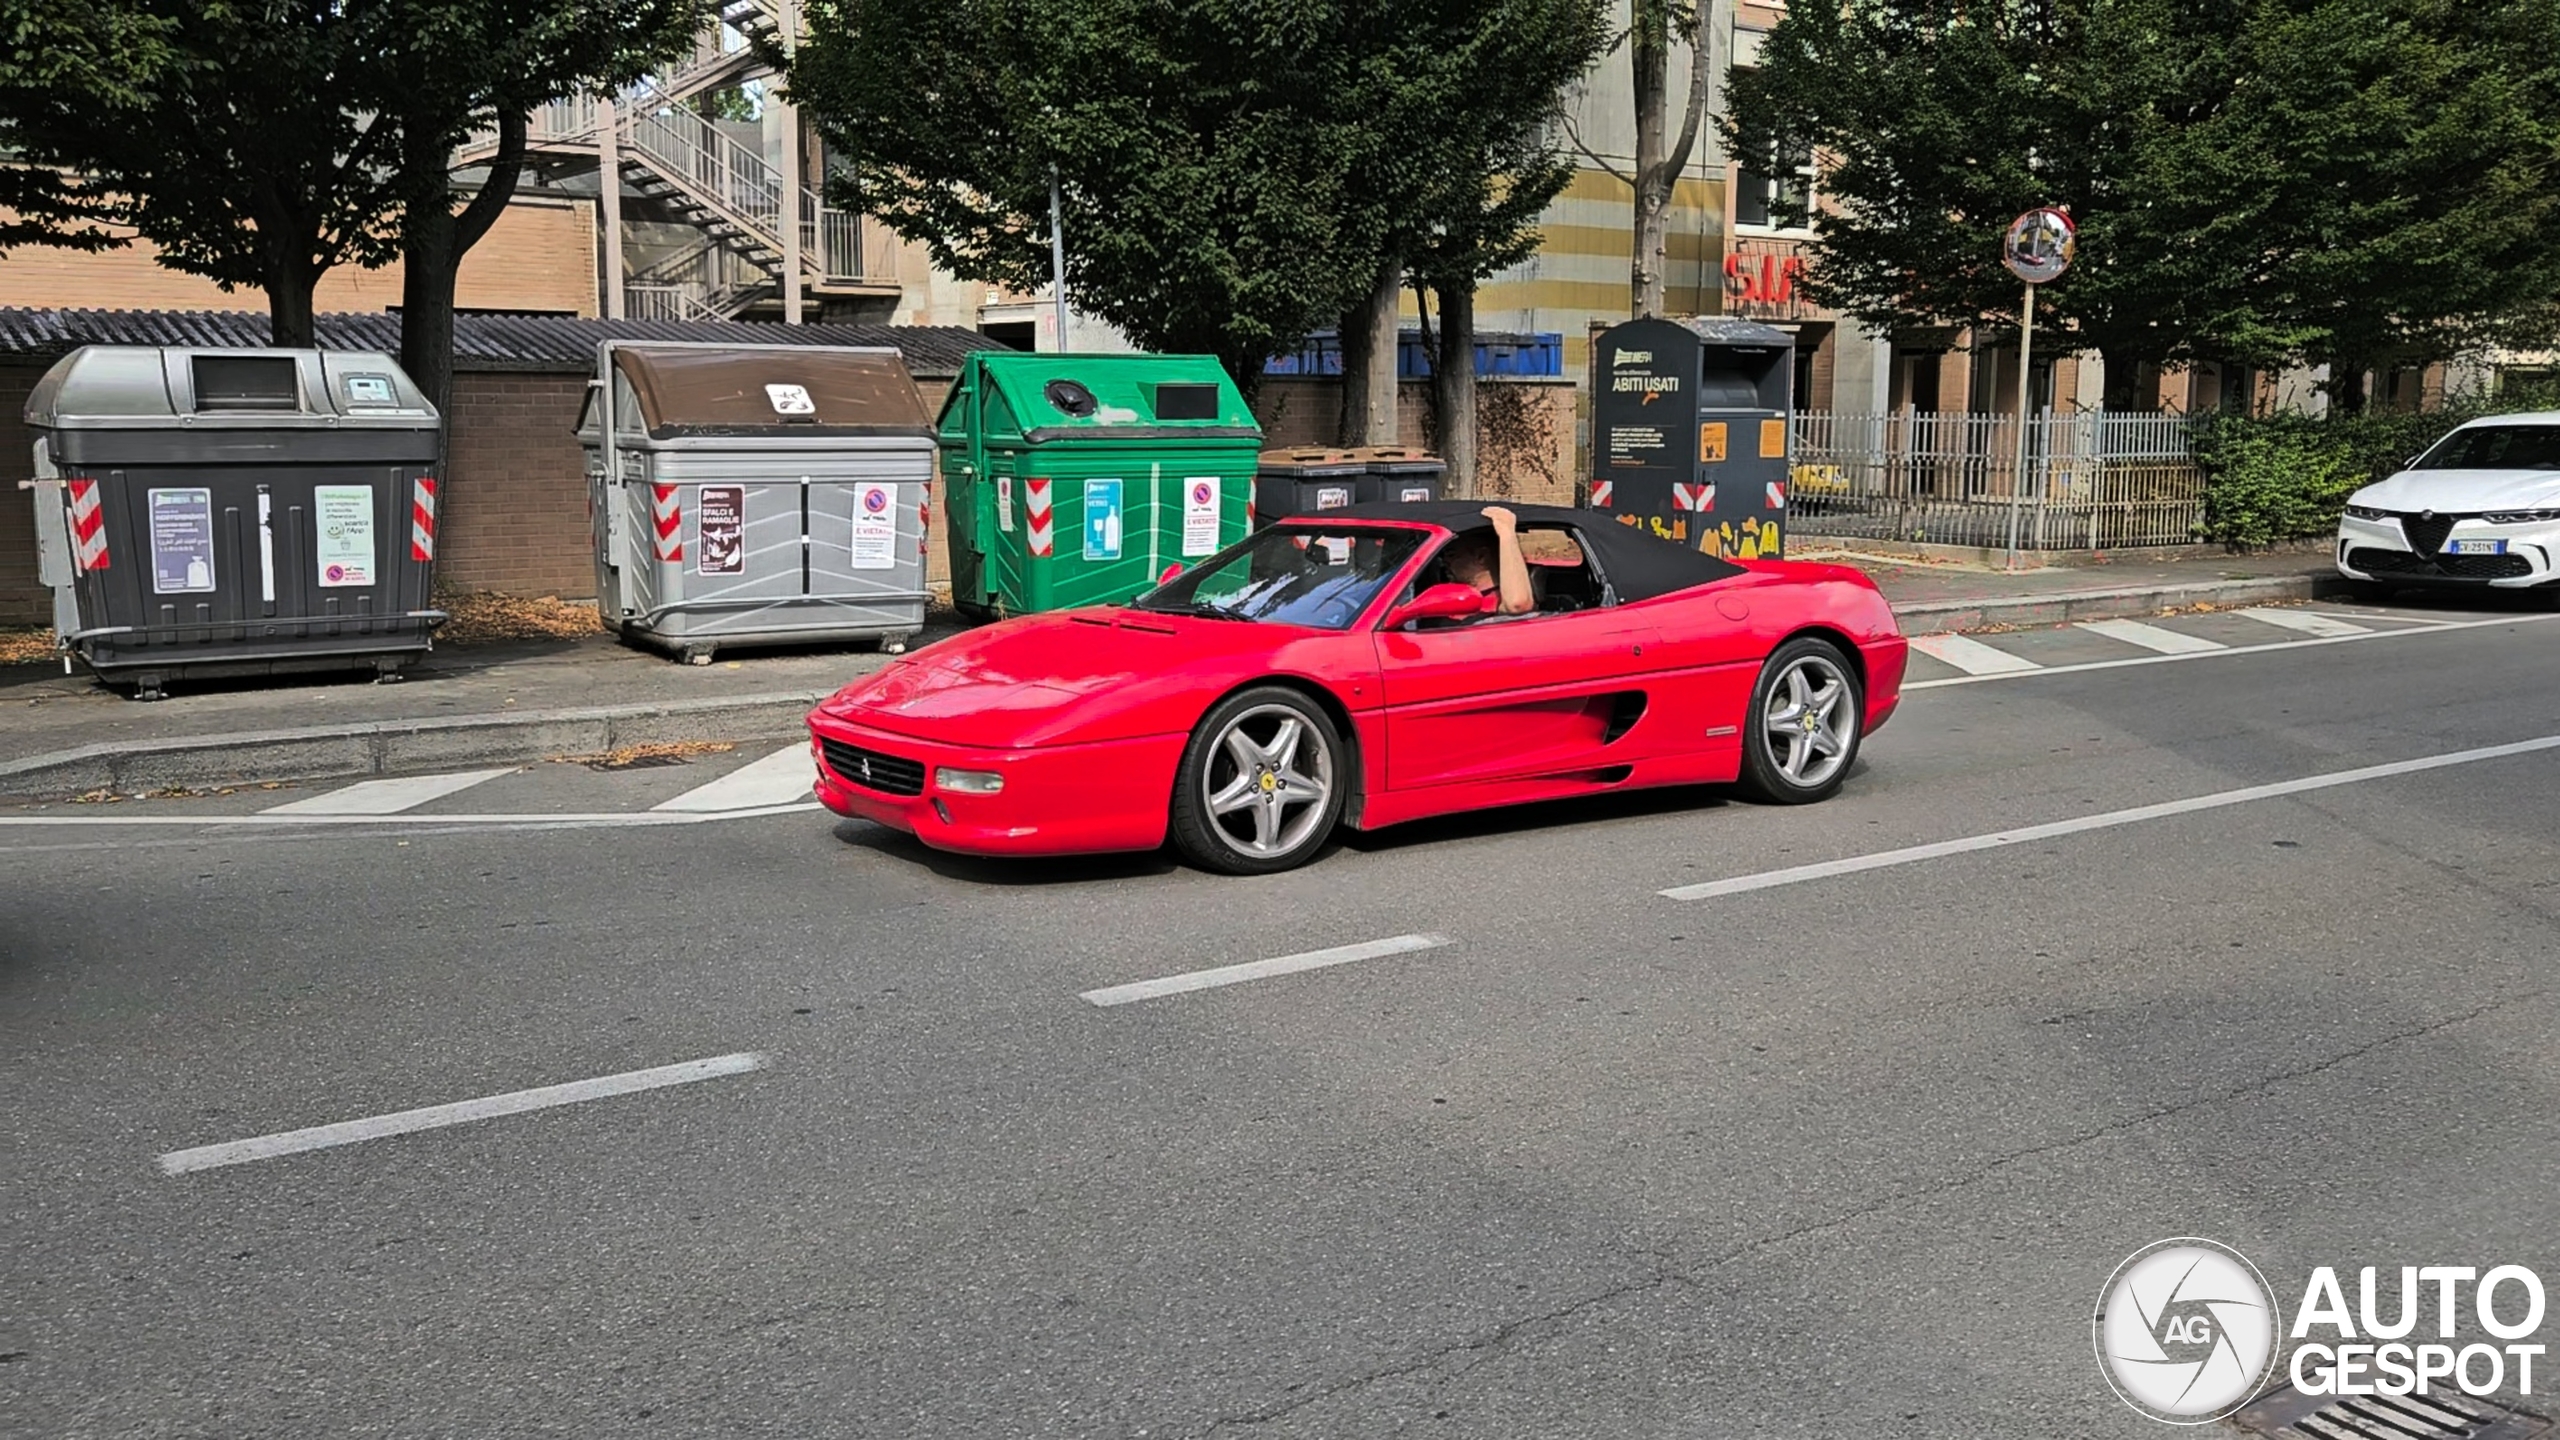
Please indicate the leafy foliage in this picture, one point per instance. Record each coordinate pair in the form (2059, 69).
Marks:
(1234, 174)
(2351, 182)
(2272, 478)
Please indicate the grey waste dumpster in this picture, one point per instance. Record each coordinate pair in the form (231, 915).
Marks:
(234, 512)
(1304, 481)
(1400, 475)
(757, 495)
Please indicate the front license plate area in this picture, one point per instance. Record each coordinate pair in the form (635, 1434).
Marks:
(2475, 547)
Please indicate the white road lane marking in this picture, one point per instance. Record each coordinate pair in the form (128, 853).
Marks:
(388, 797)
(461, 1112)
(2152, 637)
(1970, 655)
(2305, 621)
(1263, 969)
(1855, 864)
(1910, 685)
(777, 779)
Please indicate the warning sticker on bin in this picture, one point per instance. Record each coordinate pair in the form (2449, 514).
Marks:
(345, 520)
(1004, 503)
(723, 509)
(1102, 519)
(1773, 439)
(1711, 443)
(181, 541)
(1200, 515)
(875, 528)
(790, 400)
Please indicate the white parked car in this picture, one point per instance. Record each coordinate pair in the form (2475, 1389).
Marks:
(2481, 507)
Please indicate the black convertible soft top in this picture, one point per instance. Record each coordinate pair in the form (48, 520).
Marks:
(1638, 566)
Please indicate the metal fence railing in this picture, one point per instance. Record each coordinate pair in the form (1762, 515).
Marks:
(2092, 481)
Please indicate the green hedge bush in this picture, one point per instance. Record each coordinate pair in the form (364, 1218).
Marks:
(2272, 478)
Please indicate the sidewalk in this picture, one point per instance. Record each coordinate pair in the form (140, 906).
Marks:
(521, 702)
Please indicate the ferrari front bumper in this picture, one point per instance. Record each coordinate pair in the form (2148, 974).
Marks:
(1081, 799)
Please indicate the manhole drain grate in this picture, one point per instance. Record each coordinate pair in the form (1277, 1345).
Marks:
(2291, 1415)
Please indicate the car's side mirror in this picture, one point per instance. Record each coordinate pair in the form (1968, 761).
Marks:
(1440, 602)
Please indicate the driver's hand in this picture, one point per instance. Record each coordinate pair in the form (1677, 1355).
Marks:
(1502, 518)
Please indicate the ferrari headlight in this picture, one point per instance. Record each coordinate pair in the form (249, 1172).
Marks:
(967, 782)
(2520, 517)
(2367, 512)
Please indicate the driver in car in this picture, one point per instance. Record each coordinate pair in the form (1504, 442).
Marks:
(1492, 563)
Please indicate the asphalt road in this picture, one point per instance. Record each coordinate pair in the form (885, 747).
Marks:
(1846, 1156)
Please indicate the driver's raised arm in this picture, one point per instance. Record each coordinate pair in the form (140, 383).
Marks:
(1511, 569)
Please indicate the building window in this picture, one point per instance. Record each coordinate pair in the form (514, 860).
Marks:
(1775, 191)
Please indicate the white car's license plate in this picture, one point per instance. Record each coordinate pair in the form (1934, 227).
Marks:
(2475, 547)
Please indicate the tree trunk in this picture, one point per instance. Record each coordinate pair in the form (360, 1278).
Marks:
(1453, 390)
(1658, 164)
(1369, 380)
(433, 240)
(2124, 372)
(2346, 387)
(289, 303)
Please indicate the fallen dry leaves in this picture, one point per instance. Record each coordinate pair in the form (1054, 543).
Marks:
(28, 647)
(659, 753)
(482, 615)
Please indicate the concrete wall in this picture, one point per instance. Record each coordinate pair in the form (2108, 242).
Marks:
(514, 515)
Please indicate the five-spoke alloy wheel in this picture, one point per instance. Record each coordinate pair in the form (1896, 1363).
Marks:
(1802, 730)
(1261, 784)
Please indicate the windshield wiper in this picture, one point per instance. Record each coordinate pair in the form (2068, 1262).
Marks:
(1212, 612)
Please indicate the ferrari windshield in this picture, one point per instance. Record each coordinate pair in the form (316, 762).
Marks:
(1290, 575)
(2497, 447)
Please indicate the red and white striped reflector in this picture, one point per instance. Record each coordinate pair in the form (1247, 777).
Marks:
(422, 519)
(1036, 509)
(1693, 497)
(88, 527)
(1777, 495)
(1600, 492)
(670, 522)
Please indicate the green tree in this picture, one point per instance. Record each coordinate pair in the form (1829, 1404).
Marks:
(2266, 181)
(106, 56)
(1203, 191)
(465, 66)
(247, 158)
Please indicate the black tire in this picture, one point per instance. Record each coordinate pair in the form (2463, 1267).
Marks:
(1262, 830)
(1805, 770)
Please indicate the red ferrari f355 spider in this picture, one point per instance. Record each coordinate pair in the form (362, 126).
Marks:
(1322, 672)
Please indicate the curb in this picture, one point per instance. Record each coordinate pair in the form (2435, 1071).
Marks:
(328, 752)
(1934, 617)
(408, 746)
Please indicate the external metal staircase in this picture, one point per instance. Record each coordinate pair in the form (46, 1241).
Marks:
(692, 170)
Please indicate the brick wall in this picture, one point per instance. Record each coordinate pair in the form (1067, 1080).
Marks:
(541, 255)
(22, 601)
(513, 515)
(514, 512)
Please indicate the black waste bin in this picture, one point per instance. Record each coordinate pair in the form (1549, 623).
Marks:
(235, 512)
(1401, 475)
(1690, 432)
(1304, 481)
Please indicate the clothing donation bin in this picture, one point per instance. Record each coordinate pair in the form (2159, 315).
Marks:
(1691, 433)
(1079, 479)
(756, 495)
(207, 512)
(1400, 475)
(1305, 481)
